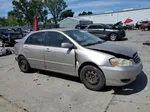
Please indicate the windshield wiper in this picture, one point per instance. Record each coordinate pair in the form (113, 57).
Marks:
(89, 44)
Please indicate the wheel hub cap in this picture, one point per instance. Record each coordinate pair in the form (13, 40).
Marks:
(23, 65)
(92, 77)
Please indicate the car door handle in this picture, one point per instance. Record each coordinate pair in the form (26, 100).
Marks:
(47, 50)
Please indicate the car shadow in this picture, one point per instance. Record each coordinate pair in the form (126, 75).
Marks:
(61, 76)
(137, 86)
(123, 39)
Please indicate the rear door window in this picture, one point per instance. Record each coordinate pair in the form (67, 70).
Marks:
(36, 39)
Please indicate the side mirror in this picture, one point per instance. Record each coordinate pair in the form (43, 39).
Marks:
(67, 45)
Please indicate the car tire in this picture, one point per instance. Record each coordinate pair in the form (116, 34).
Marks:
(92, 78)
(23, 64)
(113, 36)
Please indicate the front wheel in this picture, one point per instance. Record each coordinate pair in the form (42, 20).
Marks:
(92, 78)
(113, 36)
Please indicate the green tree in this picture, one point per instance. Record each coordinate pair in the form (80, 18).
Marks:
(56, 7)
(12, 21)
(67, 13)
(3, 21)
(85, 13)
(89, 13)
(27, 9)
(17, 17)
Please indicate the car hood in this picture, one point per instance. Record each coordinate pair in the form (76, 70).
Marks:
(118, 23)
(113, 49)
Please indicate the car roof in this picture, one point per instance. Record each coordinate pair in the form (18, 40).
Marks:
(97, 24)
(55, 29)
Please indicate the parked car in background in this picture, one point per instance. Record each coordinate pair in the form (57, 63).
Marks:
(81, 26)
(9, 36)
(105, 31)
(79, 53)
(146, 25)
(140, 23)
(120, 25)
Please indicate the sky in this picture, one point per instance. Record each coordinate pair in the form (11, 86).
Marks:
(96, 6)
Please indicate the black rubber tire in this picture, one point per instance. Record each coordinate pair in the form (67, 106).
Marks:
(113, 36)
(101, 82)
(27, 68)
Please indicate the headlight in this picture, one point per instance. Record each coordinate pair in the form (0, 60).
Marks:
(121, 62)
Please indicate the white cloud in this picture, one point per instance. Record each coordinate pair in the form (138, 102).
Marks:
(94, 4)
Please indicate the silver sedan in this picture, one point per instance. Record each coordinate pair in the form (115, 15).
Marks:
(78, 53)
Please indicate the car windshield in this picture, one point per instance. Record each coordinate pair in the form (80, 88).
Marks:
(83, 38)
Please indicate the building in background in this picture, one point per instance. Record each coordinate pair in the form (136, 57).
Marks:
(111, 17)
(71, 22)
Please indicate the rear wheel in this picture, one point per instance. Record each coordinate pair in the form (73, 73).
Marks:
(92, 78)
(113, 36)
(23, 64)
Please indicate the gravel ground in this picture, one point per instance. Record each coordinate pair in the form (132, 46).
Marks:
(50, 92)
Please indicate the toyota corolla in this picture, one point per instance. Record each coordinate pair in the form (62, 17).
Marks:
(79, 53)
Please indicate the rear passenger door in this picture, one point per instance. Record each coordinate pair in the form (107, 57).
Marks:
(97, 30)
(34, 50)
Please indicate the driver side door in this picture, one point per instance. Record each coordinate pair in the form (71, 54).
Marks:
(58, 59)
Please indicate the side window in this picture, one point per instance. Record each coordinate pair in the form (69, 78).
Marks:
(99, 26)
(95, 27)
(36, 39)
(55, 39)
(92, 27)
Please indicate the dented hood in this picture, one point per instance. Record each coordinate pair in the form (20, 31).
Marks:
(113, 49)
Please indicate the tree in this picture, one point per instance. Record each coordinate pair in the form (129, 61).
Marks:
(55, 7)
(27, 9)
(16, 17)
(85, 13)
(67, 13)
(89, 13)
(12, 21)
(3, 21)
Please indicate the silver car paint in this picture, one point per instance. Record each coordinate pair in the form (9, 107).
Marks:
(69, 62)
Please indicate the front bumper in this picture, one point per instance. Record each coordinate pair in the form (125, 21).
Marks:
(120, 76)
(122, 35)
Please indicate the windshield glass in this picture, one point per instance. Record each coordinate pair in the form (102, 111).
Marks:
(83, 38)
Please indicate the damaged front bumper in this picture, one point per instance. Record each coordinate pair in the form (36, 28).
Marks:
(120, 76)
